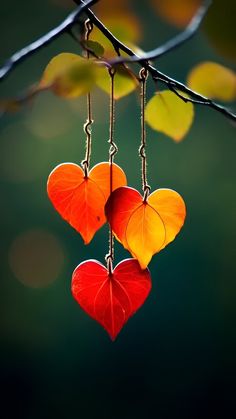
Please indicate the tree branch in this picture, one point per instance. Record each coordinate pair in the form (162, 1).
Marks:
(171, 83)
(45, 39)
(173, 43)
(157, 75)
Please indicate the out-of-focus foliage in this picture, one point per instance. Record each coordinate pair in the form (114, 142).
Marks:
(69, 75)
(121, 20)
(108, 7)
(177, 12)
(123, 25)
(213, 80)
(167, 113)
(219, 25)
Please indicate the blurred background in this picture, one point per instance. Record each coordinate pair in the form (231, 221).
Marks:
(176, 357)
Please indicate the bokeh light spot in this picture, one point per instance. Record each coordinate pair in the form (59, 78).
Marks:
(22, 157)
(49, 117)
(36, 258)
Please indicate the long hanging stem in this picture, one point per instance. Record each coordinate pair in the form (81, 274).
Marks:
(88, 124)
(112, 151)
(142, 149)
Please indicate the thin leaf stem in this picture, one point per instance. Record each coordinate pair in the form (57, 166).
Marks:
(112, 151)
(143, 74)
(88, 124)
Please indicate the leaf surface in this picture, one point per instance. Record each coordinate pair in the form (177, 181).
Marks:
(145, 228)
(124, 81)
(167, 113)
(110, 299)
(79, 200)
(213, 80)
(69, 75)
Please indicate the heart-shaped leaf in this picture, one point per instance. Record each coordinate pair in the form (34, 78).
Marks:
(145, 227)
(111, 299)
(167, 113)
(80, 200)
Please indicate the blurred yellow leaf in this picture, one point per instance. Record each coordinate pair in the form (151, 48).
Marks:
(124, 81)
(177, 12)
(169, 114)
(213, 80)
(70, 75)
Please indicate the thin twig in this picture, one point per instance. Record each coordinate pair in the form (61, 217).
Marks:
(195, 97)
(184, 98)
(46, 39)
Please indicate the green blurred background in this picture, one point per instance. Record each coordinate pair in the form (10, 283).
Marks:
(176, 357)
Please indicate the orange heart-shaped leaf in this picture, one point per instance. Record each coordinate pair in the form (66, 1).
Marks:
(80, 200)
(110, 299)
(145, 227)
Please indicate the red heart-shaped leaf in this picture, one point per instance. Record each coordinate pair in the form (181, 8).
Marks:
(145, 227)
(111, 299)
(81, 200)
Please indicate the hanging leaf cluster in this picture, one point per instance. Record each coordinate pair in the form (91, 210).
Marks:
(87, 199)
(144, 224)
(142, 227)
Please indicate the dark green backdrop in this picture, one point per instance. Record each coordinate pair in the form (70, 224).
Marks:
(176, 357)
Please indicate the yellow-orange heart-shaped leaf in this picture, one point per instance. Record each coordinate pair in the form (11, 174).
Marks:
(81, 200)
(213, 80)
(69, 75)
(167, 113)
(145, 227)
